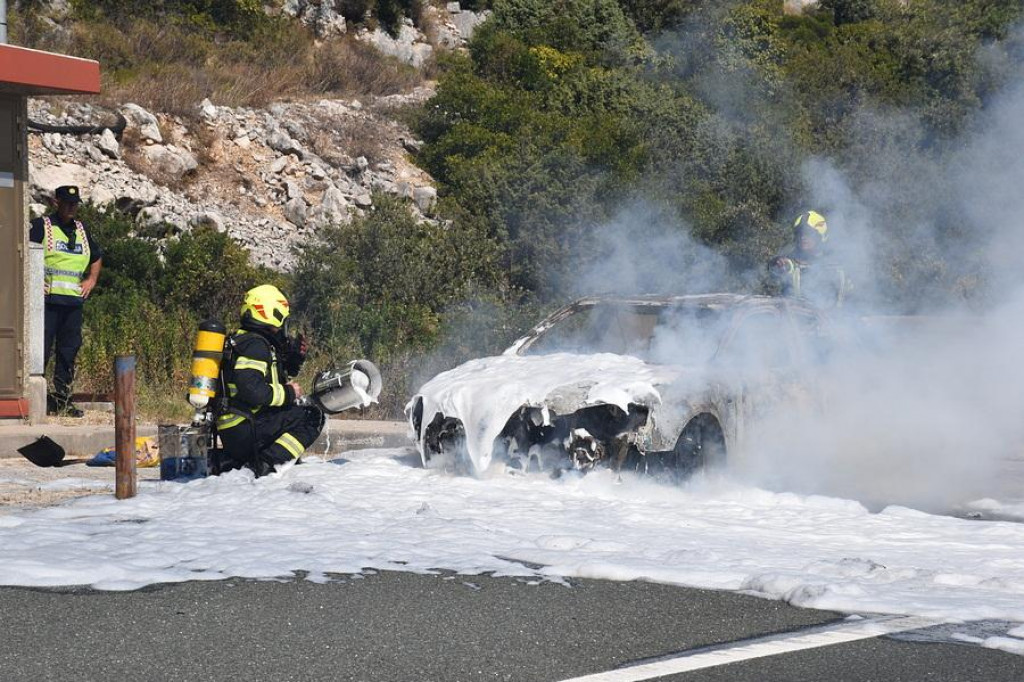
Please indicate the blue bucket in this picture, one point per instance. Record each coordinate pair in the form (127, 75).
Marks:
(183, 452)
(183, 468)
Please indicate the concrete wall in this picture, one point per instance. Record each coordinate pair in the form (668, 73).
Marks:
(35, 387)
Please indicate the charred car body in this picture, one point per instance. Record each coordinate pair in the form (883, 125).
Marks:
(664, 384)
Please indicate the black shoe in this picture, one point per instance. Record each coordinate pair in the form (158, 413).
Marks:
(60, 406)
(71, 411)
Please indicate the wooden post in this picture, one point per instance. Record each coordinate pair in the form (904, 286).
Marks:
(124, 426)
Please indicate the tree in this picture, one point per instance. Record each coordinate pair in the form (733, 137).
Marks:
(849, 11)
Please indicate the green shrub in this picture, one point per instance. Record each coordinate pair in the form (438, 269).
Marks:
(207, 272)
(657, 15)
(597, 28)
(377, 287)
(850, 11)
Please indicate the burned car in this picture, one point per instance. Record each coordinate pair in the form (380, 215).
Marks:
(664, 385)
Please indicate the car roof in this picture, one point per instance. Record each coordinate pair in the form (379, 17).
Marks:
(720, 301)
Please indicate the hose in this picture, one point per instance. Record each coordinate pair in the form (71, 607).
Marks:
(117, 128)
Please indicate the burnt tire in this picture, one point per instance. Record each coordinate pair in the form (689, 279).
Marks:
(445, 446)
(700, 448)
(462, 465)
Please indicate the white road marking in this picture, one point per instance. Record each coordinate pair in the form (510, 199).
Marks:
(772, 645)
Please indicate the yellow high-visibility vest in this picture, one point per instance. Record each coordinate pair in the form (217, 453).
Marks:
(64, 266)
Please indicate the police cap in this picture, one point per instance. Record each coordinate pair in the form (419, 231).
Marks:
(68, 193)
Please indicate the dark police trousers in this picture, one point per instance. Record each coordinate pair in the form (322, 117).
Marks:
(63, 325)
(270, 438)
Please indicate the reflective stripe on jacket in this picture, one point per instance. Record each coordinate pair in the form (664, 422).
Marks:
(254, 381)
(64, 265)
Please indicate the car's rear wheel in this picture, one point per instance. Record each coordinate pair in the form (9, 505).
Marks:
(700, 447)
(457, 453)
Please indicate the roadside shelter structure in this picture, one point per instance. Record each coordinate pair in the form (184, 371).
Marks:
(26, 73)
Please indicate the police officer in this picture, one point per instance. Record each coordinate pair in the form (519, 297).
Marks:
(72, 265)
(264, 423)
(805, 270)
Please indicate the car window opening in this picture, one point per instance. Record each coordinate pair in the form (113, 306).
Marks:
(660, 334)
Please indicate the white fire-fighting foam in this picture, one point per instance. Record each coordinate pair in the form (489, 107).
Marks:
(485, 393)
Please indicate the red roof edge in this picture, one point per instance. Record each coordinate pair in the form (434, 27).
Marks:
(33, 72)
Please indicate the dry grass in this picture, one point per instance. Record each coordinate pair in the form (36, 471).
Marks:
(349, 68)
(163, 405)
(171, 69)
(179, 88)
(358, 137)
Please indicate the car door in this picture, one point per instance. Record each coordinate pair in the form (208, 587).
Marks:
(760, 362)
(819, 348)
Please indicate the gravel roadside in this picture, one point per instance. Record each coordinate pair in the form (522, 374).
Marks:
(23, 485)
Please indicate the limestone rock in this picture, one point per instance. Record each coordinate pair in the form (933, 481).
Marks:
(207, 110)
(170, 160)
(279, 164)
(46, 179)
(148, 126)
(280, 141)
(409, 46)
(333, 209)
(108, 144)
(466, 22)
(95, 154)
(295, 211)
(425, 198)
(319, 15)
(209, 219)
(243, 186)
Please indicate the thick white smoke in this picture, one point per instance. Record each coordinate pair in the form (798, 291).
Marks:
(924, 410)
(646, 250)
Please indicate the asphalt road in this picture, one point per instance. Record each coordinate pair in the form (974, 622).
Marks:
(448, 628)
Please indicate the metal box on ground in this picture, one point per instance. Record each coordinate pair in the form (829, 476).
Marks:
(183, 452)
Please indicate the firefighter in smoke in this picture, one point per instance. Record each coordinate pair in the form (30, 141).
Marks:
(264, 423)
(805, 270)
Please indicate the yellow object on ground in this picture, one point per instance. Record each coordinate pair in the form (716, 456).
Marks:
(147, 454)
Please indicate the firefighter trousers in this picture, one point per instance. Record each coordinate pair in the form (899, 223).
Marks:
(272, 437)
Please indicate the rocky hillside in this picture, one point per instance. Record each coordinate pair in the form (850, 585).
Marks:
(267, 177)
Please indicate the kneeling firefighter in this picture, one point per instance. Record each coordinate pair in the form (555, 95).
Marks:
(264, 421)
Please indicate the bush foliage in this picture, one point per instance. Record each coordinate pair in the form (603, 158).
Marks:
(561, 111)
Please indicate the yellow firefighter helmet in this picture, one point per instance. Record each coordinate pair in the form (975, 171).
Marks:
(811, 220)
(265, 305)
